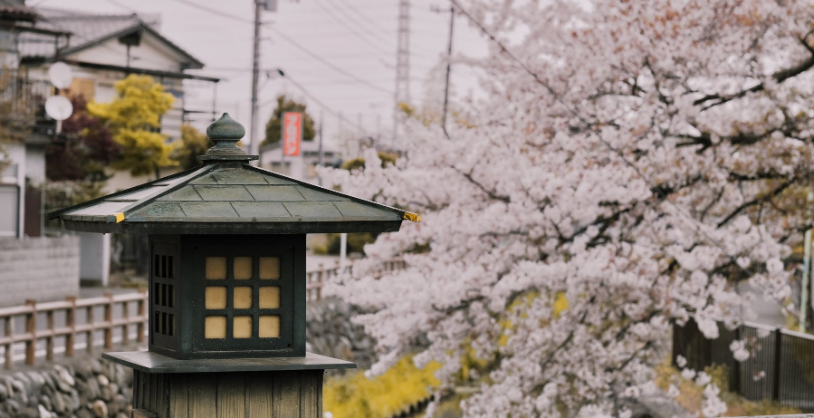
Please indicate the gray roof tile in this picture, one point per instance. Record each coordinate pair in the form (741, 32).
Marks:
(238, 177)
(159, 210)
(352, 210)
(312, 209)
(208, 210)
(320, 196)
(186, 194)
(218, 193)
(275, 193)
(260, 210)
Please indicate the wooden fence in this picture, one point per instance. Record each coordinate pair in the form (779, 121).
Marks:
(315, 280)
(780, 366)
(40, 319)
(32, 312)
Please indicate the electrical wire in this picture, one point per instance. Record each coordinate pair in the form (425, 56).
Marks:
(215, 12)
(361, 37)
(369, 20)
(328, 63)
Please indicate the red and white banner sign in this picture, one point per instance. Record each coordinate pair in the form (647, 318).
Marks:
(292, 133)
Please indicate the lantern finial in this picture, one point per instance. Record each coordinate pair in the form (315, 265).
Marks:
(225, 132)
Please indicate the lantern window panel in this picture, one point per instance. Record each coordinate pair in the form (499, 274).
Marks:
(269, 297)
(215, 268)
(242, 268)
(162, 293)
(242, 327)
(215, 327)
(239, 303)
(269, 268)
(269, 326)
(216, 297)
(242, 297)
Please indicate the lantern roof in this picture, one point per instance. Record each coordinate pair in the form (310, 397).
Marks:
(229, 196)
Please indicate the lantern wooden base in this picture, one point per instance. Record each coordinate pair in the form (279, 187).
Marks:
(274, 387)
(289, 394)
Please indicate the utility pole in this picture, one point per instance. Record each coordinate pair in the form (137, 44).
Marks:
(449, 67)
(254, 145)
(806, 266)
(402, 94)
(319, 153)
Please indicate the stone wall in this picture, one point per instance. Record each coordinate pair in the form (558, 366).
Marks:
(330, 332)
(43, 269)
(88, 388)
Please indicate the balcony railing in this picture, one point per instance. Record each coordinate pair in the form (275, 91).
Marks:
(22, 101)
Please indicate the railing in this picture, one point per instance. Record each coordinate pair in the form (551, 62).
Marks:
(22, 100)
(67, 311)
(780, 366)
(315, 280)
(75, 319)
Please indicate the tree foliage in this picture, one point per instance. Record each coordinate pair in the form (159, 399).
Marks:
(275, 123)
(134, 117)
(193, 143)
(640, 158)
(385, 158)
(85, 150)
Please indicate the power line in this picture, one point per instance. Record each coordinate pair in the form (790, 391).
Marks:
(369, 20)
(364, 39)
(215, 12)
(329, 64)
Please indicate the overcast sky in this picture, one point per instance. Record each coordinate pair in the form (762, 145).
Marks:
(355, 36)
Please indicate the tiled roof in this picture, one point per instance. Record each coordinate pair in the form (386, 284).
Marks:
(230, 198)
(86, 29)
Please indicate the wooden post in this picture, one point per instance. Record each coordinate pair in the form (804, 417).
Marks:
(70, 322)
(10, 346)
(31, 330)
(49, 340)
(320, 282)
(126, 326)
(89, 314)
(109, 321)
(778, 350)
(142, 313)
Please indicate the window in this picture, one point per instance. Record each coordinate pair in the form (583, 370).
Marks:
(242, 297)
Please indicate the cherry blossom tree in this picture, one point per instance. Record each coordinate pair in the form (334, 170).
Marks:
(638, 157)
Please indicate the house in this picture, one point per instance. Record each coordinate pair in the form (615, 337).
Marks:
(24, 128)
(31, 266)
(101, 50)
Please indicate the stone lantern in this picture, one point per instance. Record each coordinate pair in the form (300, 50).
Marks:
(227, 282)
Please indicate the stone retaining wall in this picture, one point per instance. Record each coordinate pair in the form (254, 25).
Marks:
(88, 388)
(330, 332)
(42, 269)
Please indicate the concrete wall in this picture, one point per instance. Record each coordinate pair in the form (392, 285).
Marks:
(95, 257)
(44, 269)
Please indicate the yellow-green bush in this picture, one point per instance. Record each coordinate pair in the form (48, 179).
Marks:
(355, 396)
